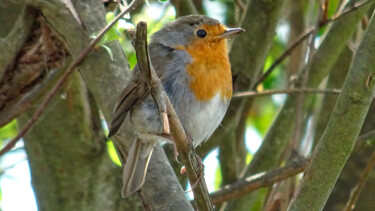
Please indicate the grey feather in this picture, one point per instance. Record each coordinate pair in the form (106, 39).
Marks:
(136, 166)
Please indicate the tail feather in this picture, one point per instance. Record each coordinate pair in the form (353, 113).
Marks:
(136, 166)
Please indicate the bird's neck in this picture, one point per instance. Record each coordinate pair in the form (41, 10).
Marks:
(210, 70)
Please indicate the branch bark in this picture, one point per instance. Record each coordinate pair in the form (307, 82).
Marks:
(77, 61)
(335, 81)
(16, 38)
(68, 158)
(281, 130)
(251, 183)
(280, 133)
(247, 56)
(344, 126)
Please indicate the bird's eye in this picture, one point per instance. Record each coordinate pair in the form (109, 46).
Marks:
(201, 33)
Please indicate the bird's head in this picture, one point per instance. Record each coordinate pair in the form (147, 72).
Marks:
(193, 30)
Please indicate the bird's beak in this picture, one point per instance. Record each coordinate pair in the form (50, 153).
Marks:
(230, 32)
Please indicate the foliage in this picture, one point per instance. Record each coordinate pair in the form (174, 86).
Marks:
(258, 113)
(8, 131)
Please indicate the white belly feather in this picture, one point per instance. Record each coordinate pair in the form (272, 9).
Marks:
(204, 118)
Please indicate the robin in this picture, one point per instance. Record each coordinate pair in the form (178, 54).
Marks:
(190, 57)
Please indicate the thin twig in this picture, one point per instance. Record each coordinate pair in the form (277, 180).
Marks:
(301, 38)
(285, 91)
(281, 58)
(257, 181)
(146, 205)
(325, 6)
(240, 4)
(301, 83)
(80, 58)
(350, 9)
(354, 194)
(365, 140)
(184, 146)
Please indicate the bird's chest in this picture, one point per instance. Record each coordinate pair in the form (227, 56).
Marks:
(200, 90)
(200, 119)
(209, 71)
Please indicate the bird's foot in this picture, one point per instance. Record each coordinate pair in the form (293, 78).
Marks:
(199, 172)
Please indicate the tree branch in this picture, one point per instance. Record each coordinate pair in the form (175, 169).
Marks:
(336, 78)
(259, 20)
(338, 140)
(184, 146)
(11, 112)
(280, 132)
(354, 195)
(184, 7)
(305, 35)
(80, 58)
(257, 181)
(285, 91)
(365, 140)
(17, 37)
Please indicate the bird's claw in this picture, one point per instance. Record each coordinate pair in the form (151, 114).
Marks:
(200, 173)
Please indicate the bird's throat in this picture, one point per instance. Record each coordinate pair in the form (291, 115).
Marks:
(209, 70)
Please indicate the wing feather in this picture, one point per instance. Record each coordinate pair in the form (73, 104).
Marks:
(131, 96)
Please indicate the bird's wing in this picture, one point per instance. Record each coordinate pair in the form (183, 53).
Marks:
(137, 89)
(133, 94)
(134, 172)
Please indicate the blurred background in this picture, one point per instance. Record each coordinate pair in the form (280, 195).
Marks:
(272, 28)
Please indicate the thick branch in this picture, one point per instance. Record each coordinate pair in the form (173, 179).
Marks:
(281, 130)
(343, 128)
(77, 61)
(30, 98)
(304, 36)
(16, 38)
(280, 133)
(184, 7)
(247, 57)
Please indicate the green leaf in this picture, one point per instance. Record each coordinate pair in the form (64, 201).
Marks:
(218, 178)
(109, 16)
(111, 35)
(112, 153)
(249, 157)
(8, 131)
(109, 51)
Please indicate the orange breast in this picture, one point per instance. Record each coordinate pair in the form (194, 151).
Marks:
(210, 69)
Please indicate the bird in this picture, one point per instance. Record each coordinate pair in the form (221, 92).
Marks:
(190, 56)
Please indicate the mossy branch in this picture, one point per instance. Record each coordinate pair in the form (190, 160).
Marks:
(337, 142)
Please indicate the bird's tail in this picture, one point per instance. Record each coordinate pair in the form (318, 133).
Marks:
(136, 166)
